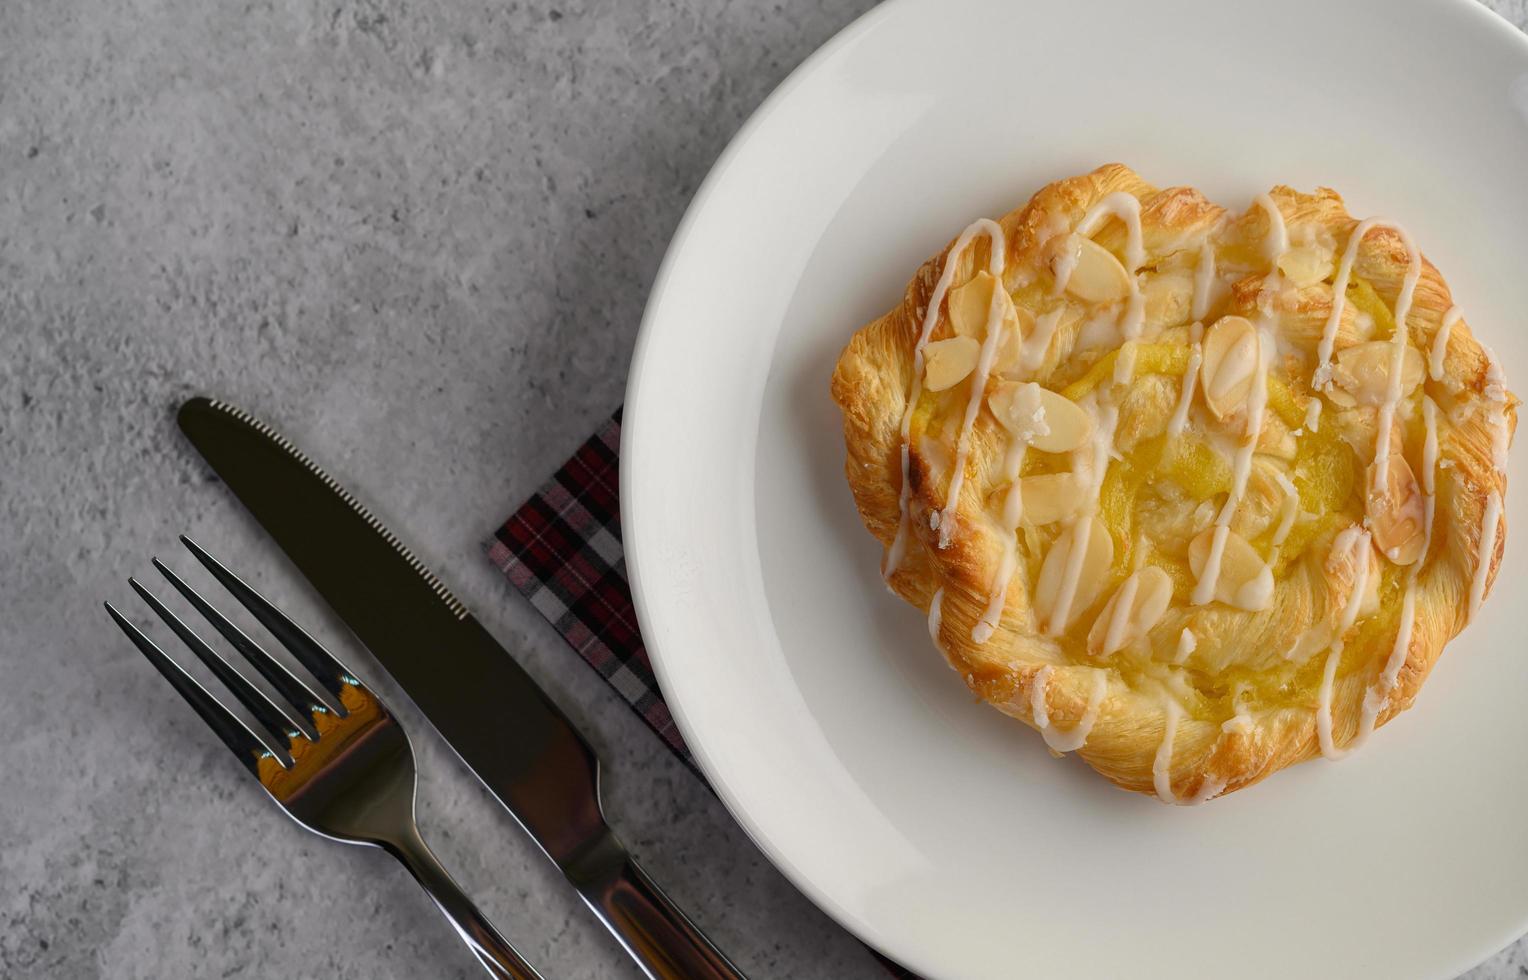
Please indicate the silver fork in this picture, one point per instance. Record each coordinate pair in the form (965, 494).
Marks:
(342, 769)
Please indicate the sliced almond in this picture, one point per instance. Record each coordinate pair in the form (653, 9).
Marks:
(947, 362)
(1018, 406)
(1397, 513)
(1306, 265)
(970, 308)
(1131, 612)
(1231, 358)
(1340, 398)
(1045, 419)
(1168, 299)
(1050, 497)
(1010, 352)
(1202, 517)
(970, 305)
(1351, 562)
(1059, 597)
(1363, 371)
(1245, 580)
(1070, 427)
(1090, 271)
(1059, 253)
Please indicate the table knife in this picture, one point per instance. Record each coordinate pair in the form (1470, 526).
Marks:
(486, 707)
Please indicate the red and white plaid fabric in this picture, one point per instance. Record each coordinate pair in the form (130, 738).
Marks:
(562, 551)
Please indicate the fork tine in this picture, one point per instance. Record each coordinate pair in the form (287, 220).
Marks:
(266, 711)
(245, 744)
(332, 674)
(284, 681)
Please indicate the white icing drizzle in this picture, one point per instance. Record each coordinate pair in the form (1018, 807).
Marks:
(1204, 589)
(1313, 414)
(1261, 588)
(994, 233)
(1324, 703)
(1489, 525)
(1256, 593)
(1013, 513)
(1377, 698)
(1358, 543)
(1322, 378)
(1397, 358)
(1187, 643)
(1038, 707)
(1440, 343)
(1119, 619)
(1496, 396)
(1058, 740)
(936, 618)
(1032, 349)
(1277, 241)
(1161, 765)
(1257, 402)
(1204, 278)
(1131, 322)
(1275, 244)
(1065, 263)
(1190, 380)
(1430, 498)
(1289, 508)
(1127, 209)
(994, 340)
(1083, 531)
(1101, 448)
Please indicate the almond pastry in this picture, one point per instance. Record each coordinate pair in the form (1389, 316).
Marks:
(1197, 495)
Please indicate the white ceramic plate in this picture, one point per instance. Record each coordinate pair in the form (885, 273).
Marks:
(934, 828)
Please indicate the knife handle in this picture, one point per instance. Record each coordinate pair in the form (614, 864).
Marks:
(663, 941)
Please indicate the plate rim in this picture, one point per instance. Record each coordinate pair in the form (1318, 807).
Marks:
(632, 426)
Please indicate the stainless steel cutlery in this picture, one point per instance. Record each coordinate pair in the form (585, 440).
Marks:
(338, 764)
(493, 714)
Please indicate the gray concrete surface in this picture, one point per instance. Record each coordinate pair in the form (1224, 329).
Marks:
(418, 234)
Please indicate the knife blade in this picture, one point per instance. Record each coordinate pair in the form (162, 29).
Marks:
(486, 707)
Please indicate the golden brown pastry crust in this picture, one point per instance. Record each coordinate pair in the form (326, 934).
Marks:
(1243, 664)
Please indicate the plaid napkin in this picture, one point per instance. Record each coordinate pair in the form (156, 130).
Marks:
(562, 551)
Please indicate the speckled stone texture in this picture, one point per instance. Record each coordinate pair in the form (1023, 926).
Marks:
(417, 234)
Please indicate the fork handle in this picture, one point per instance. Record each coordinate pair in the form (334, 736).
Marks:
(492, 950)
